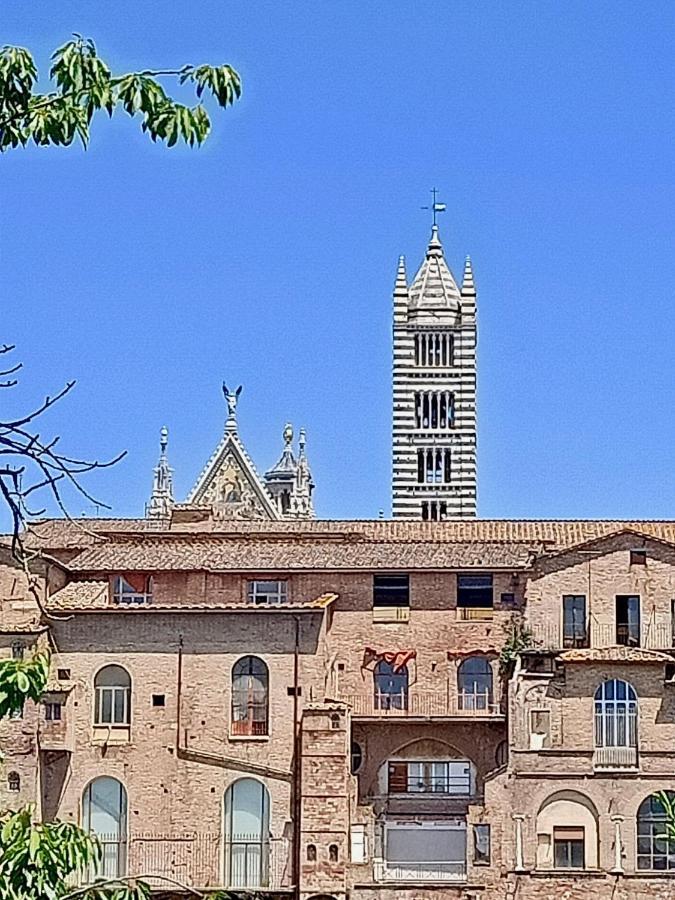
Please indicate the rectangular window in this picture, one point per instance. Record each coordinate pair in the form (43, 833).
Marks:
(475, 592)
(391, 590)
(568, 848)
(431, 777)
(132, 588)
(267, 593)
(481, 844)
(434, 510)
(628, 620)
(433, 349)
(433, 851)
(638, 557)
(433, 465)
(434, 410)
(575, 631)
(53, 712)
(540, 729)
(358, 844)
(17, 650)
(111, 705)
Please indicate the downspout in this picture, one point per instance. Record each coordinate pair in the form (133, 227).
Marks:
(297, 771)
(179, 692)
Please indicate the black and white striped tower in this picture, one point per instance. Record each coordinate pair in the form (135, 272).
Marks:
(434, 408)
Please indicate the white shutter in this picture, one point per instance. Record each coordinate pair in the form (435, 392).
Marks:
(358, 844)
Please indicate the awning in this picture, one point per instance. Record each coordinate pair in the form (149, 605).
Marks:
(397, 659)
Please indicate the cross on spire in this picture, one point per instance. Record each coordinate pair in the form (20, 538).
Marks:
(435, 207)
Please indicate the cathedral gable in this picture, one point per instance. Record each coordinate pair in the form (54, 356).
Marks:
(232, 487)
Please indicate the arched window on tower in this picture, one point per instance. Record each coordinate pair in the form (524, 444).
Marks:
(250, 697)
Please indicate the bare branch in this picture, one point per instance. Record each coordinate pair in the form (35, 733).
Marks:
(35, 464)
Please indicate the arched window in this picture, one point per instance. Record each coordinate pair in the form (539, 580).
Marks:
(333, 853)
(391, 686)
(654, 849)
(247, 838)
(104, 813)
(112, 688)
(615, 714)
(474, 683)
(567, 832)
(13, 782)
(311, 852)
(250, 696)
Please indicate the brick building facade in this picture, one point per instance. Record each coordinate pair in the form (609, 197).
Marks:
(378, 710)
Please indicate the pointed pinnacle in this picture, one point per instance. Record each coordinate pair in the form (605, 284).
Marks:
(468, 286)
(401, 285)
(435, 247)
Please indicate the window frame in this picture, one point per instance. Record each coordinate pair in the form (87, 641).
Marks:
(250, 698)
(614, 714)
(114, 690)
(485, 859)
(258, 596)
(120, 596)
(470, 596)
(569, 844)
(651, 821)
(575, 636)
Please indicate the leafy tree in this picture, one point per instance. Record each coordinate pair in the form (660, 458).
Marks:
(85, 84)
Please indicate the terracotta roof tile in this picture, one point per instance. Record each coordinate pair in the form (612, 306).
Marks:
(81, 595)
(244, 554)
(60, 533)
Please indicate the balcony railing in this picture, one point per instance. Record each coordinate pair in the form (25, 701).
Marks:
(197, 860)
(615, 758)
(391, 613)
(386, 870)
(474, 613)
(652, 635)
(424, 704)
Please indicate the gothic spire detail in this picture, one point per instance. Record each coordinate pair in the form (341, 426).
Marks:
(161, 500)
(401, 285)
(434, 290)
(468, 286)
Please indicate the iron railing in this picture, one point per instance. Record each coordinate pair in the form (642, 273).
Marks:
(425, 704)
(615, 758)
(386, 870)
(654, 635)
(196, 860)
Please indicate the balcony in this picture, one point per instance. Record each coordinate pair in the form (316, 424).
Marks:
(424, 705)
(197, 860)
(654, 635)
(385, 870)
(614, 758)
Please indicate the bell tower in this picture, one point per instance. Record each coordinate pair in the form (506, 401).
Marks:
(434, 389)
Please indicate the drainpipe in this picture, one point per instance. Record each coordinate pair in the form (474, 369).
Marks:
(179, 691)
(297, 772)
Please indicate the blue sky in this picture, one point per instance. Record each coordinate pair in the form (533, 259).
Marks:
(268, 257)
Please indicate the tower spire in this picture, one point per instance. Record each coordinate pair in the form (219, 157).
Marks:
(161, 500)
